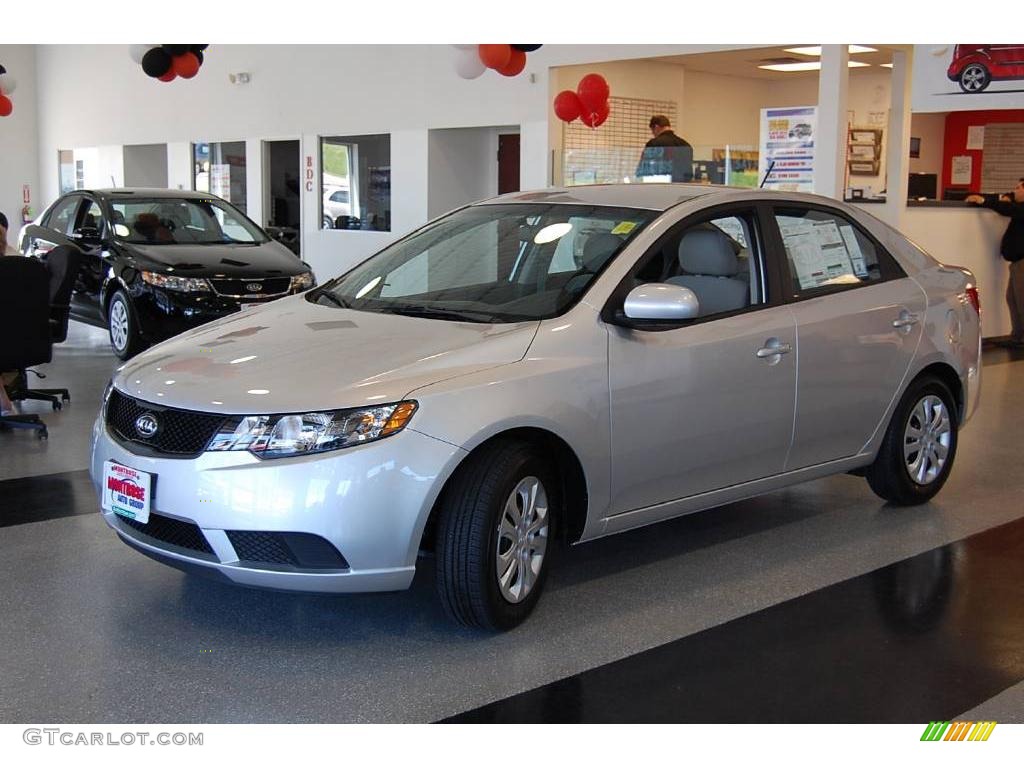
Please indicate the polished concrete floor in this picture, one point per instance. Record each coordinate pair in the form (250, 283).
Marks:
(816, 603)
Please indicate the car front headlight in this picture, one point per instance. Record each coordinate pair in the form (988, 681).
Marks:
(175, 283)
(298, 434)
(302, 282)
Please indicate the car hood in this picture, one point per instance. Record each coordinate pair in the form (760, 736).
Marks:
(230, 261)
(292, 356)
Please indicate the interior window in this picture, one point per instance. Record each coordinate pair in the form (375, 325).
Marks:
(824, 250)
(717, 259)
(62, 217)
(93, 217)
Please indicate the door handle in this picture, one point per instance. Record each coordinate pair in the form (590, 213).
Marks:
(905, 320)
(774, 347)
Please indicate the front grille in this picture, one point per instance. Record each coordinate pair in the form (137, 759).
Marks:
(268, 286)
(300, 550)
(171, 531)
(180, 433)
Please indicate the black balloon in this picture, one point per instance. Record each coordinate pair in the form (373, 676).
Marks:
(175, 50)
(525, 48)
(3, 69)
(199, 47)
(156, 62)
(199, 55)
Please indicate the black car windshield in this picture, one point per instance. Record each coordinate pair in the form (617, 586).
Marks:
(181, 221)
(490, 263)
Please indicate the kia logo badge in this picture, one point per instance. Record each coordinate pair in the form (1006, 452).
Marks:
(254, 287)
(147, 425)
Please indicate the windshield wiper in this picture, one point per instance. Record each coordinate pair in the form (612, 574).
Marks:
(333, 299)
(441, 313)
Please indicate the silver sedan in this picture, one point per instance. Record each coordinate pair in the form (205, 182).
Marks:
(543, 367)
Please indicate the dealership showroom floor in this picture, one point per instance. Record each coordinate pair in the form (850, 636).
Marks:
(813, 604)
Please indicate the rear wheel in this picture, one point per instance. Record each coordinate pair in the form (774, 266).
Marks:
(123, 326)
(919, 446)
(495, 536)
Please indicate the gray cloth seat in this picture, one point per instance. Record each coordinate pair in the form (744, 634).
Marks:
(599, 247)
(709, 265)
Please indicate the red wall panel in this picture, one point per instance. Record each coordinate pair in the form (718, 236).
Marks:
(955, 141)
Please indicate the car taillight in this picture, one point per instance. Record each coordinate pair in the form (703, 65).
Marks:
(972, 296)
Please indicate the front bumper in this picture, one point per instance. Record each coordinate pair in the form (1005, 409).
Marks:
(370, 502)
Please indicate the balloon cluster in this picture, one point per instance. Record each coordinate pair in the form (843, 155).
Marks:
(473, 60)
(166, 62)
(589, 102)
(7, 86)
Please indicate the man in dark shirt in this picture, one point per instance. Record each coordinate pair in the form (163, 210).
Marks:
(1012, 249)
(666, 154)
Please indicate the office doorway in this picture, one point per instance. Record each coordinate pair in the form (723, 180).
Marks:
(282, 210)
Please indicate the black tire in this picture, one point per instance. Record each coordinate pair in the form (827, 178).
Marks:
(467, 539)
(974, 78)
(889, 476)
(128, 342)
(327, 223)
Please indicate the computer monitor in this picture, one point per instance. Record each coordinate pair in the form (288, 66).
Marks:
(922, 185)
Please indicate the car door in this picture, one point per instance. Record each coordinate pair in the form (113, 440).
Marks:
(54, 228)
(706, 403)
(859, 320)
(90, 234)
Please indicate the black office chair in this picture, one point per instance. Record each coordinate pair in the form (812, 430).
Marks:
(62, 264)
(24, 325)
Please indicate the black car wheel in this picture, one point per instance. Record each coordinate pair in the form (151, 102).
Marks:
(919, 445)
(328, 222)
(495, 536)
(974, 78)
(123, 326)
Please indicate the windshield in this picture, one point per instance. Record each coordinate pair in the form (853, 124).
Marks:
(168, 221)
(490, 263)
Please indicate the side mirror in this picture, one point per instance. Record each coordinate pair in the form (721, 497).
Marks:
(661, 301)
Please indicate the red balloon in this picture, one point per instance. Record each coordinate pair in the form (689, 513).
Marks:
(167, 76)
(516, 64)
(596, 119)
(593, 91)
(567, 106)
(495, 56)
(6, 106)
(186, 65)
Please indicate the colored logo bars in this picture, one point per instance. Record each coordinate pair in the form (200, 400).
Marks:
(957, 731)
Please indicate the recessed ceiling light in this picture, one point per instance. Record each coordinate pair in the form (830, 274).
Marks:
(805, 66)
(815, 50)
(889, 65)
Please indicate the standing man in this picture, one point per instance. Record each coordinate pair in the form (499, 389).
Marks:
(1012, 249)
(666, 154)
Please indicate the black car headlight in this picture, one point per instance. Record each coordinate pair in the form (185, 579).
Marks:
(302, 282)
(298, 434)
(175, 283)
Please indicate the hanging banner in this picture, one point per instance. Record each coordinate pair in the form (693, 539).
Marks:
(220, 180)
(787, 140)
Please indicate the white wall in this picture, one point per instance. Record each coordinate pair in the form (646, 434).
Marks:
(462, 166)
(18, 146)
(931, 129)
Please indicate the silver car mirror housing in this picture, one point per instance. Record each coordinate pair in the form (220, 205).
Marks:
(661, 301)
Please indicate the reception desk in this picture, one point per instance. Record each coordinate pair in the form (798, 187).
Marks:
(966, 236)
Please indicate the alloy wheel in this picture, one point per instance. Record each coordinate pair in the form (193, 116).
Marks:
(973, 78)
(926, 439)
(119, 325)
(522, 539)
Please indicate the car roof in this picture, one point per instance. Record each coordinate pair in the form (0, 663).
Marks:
(655, 197)
(149, 192)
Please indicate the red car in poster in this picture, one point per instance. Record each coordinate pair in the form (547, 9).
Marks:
(975, 66)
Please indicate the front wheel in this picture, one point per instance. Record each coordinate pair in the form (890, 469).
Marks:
(495, 536)
(919, 446)
(123, 326)
(974, 78)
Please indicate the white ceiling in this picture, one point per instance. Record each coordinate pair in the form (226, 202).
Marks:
(744, 63)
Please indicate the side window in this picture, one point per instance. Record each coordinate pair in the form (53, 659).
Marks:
(62, 217)
(93, 216)
(719, 259)
(824, 250)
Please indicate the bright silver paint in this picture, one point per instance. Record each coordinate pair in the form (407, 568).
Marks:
(661, 301)
(662, 423)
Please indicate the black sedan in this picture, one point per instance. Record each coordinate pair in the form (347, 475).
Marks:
(158, 261)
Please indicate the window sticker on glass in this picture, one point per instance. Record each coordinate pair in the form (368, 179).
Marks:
(860, 267)
(817, 251)
(624, 227)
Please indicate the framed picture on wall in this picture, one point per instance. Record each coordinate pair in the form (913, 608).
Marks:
(915, 146)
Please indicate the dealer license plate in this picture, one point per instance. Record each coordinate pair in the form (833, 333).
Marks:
(126, 491)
